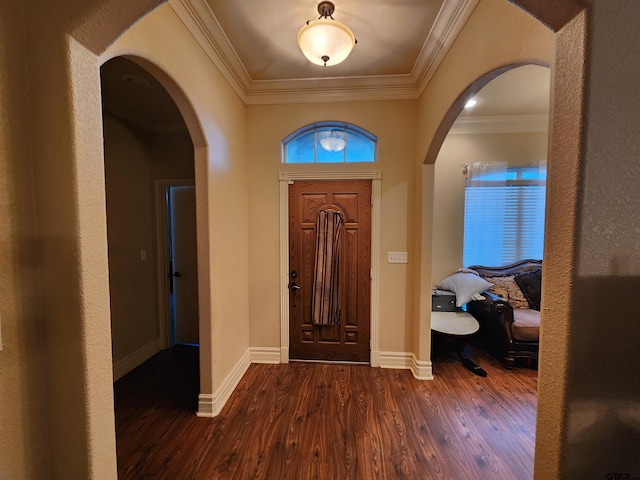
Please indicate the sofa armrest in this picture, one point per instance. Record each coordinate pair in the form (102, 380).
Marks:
(491, 303)
(494, 315)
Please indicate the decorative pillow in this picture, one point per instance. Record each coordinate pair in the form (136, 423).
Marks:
(530, 283)
(465, 286)
(507, 289)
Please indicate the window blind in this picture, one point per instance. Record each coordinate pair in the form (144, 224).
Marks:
(504, 218)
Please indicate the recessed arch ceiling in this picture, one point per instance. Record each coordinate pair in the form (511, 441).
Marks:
(390, 36)
(516, 101)
(400, 45)
(521, 90)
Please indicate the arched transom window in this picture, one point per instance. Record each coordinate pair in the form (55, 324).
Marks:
(330, 142)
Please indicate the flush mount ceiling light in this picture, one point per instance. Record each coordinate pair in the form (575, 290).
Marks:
(326, 41)
(334, 142)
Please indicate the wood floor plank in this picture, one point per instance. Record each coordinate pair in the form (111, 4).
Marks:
(318, 421)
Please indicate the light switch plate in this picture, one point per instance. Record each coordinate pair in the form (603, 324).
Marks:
(397, 257)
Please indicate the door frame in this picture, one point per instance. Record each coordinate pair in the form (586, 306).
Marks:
(162, 248)
(285, 178)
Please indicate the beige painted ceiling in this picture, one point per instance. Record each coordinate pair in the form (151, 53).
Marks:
(254, 42)
(391, 35)
(521, 91)
(400, 45)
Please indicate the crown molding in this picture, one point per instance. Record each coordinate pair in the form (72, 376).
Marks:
(500, 124)
(202, 24)
(450, 21)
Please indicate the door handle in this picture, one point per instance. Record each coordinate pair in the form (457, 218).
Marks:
(176, 274)
(294, 286)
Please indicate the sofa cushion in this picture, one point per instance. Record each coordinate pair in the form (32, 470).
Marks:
(464, 285)
(530, 283)
(506, 288)
(526, 324)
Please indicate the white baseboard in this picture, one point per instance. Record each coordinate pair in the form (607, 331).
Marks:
(284, 355)
(124, 365)
(210, 405)
(421, 369)
(395, 360)
(375, 358)
(264, 354)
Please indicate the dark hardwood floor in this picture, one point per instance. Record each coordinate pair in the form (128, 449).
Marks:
(318, 421)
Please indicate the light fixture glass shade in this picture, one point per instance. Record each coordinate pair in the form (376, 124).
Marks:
(326, 41)
(334, 142)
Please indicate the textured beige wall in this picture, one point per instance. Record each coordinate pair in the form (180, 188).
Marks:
(448, 191)
(603, 383)
(23, 424)
(394, 125)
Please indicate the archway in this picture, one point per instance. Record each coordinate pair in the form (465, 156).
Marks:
(67, 139)
(147, 146)
(510, 124)
(569, 22)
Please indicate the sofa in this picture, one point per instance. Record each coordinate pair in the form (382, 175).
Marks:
(509, 314)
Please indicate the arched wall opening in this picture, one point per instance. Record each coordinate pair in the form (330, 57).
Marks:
(148, 148)
(509, 125)
(569, 21)
(73, 244)
(200, 160)
(458, 106)
(221, 166)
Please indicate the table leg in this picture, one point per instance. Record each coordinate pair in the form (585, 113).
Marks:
(468, 363)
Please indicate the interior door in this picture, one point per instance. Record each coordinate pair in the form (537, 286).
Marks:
(184, 264)
(350, 339)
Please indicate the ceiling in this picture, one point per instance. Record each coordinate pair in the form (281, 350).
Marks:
(521, 91)
(253, 43)
(391, 35)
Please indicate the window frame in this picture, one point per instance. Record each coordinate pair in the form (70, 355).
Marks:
(347, 128)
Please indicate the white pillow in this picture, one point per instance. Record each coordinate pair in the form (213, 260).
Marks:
(465, 286)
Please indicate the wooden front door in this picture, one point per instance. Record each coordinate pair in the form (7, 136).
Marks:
(350, 339)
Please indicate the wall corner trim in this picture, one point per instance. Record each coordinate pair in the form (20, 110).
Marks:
(210, 405)
(421, 369)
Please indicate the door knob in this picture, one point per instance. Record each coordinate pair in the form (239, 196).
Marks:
(294, 286)
(176, 274)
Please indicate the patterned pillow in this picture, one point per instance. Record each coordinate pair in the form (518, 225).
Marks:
(507, 289)
(530, 283)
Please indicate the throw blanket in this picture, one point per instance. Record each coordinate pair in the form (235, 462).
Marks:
(325, 308)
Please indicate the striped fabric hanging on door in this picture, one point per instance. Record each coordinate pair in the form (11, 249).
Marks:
(325, 306)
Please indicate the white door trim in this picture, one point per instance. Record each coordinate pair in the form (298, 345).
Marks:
(285, 179)
(162, 249)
